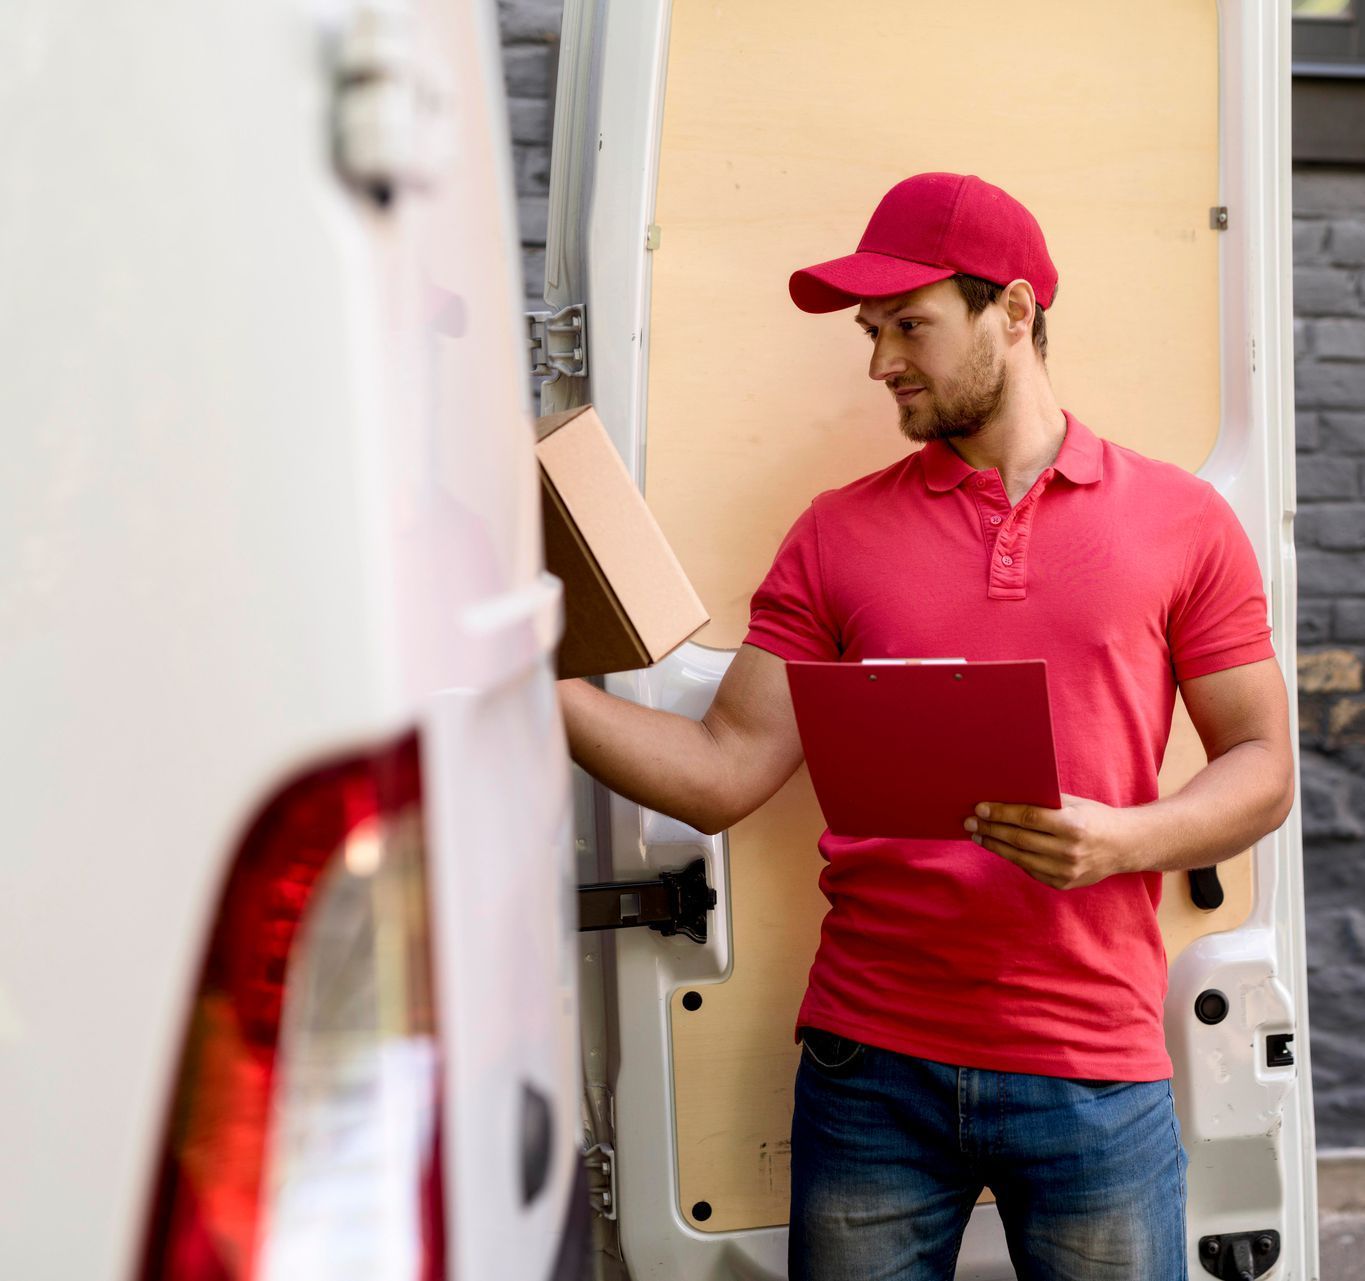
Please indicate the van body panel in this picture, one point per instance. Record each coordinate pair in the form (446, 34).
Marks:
(270, 498)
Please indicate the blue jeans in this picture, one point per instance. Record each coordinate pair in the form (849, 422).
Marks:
(889, 1154)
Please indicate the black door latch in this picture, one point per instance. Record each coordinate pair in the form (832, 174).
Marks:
(1239, 1256)
(675, 903)
(1206, 890)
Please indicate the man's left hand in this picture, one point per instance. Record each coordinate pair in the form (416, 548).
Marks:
(1079, 844)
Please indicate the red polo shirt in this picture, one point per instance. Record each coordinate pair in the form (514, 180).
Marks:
(1126, 575)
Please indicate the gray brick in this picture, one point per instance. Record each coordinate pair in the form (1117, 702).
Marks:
(1325, 476)
(1324, 291)
(1346, 242)
(1348, 620)
(1306, 424)
(1334, 526)
(1347, 934)
(1343, 432)
(1324, 192)
(1303, 337)
(1330, 574)
(1329, 385)
(529, 119)
(1315, 622)
(527, 69)
(533, 273)
(532, 167)
(1326, 807)
(1310, 238)
(532, 217)
(1339, 794)
(530, 19)
(1337, 1041)
(1338, 339)
(1339, 1118)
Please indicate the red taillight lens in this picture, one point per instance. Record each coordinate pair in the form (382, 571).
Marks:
(304, 1135)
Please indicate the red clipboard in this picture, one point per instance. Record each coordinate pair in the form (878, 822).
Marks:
(910, 749)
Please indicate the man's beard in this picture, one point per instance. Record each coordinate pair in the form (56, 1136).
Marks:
(968, 402)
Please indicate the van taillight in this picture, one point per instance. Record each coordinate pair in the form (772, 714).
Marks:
(303, 1139)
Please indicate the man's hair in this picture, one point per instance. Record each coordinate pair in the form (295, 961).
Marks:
(979, 294)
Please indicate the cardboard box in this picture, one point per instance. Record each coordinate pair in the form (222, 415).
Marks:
(627, 602)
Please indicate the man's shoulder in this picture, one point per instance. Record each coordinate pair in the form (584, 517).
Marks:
(1150, 477)
(856, 493)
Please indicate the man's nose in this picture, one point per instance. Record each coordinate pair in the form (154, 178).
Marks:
(885, 363)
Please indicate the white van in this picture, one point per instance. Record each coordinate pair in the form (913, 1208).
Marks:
(704, 151)
(287, 962)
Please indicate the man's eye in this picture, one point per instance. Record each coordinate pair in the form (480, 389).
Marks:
(871, 333)
(908, 325)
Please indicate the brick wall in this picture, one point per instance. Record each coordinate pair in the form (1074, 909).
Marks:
(1329, 342)
(1329, 329)
(530, 51)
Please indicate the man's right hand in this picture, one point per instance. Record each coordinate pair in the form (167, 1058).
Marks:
(709, 773)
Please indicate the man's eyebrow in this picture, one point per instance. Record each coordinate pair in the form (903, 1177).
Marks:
(900, 314)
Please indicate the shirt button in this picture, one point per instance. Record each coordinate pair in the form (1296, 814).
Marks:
(995, 520)
(1007, 560)
(981, 482)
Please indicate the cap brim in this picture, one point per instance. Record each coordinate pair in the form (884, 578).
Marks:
(841, 282)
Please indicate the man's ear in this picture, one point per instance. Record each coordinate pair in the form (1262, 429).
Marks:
(1019, 304)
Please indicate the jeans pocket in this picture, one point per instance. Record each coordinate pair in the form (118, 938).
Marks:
(830, 1053)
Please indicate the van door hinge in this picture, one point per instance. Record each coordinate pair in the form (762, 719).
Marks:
(1218, 218)
(391, 117)
(557, 342)
(675, 903)
(601, 1162)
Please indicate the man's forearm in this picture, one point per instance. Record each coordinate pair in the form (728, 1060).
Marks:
(1232, 802)
(1229, 805)
(661, 760)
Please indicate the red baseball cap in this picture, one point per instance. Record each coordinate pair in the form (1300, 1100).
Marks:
(927, 228)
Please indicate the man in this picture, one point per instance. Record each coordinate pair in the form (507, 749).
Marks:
(989, 1014)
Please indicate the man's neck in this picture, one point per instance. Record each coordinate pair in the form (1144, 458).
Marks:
(1021, 442)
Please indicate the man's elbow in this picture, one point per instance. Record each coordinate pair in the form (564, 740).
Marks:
(1280, 792)
(1286, 798)
(723, 811)
(715, 819)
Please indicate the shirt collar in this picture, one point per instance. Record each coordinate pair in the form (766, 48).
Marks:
(1080, 459)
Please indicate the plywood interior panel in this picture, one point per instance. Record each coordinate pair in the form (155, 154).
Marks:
(734, 1057)
(786, 121)
(1181, 921)
(784, 124)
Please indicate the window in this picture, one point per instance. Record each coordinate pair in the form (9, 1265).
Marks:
(1322, 8)
(1327, 38)
(1329, 81)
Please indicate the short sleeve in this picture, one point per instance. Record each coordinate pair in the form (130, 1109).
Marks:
(1218, 617)
(789, 614)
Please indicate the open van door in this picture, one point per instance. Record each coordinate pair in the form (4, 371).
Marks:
(287, 967)
(702, 152)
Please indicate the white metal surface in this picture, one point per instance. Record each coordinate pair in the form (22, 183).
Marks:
(268, 484)
(1249, 1130)
(613, 111)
